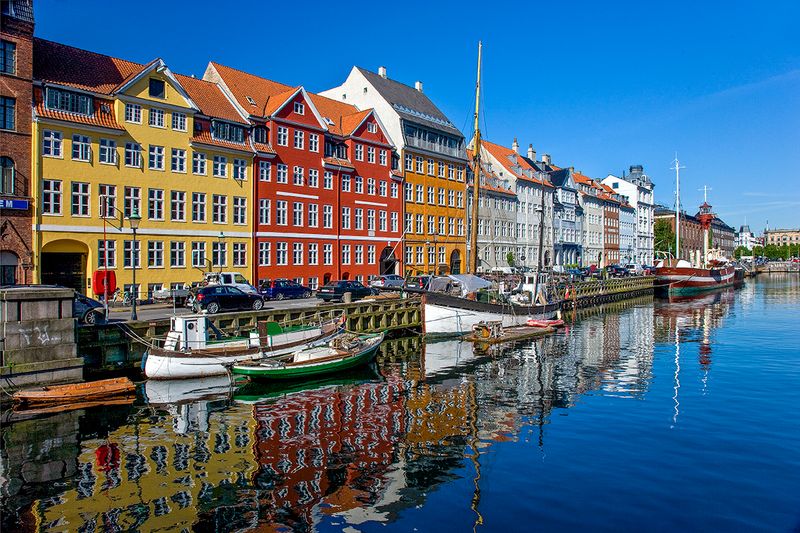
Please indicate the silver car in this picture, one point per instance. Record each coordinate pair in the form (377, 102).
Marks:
(387, 281)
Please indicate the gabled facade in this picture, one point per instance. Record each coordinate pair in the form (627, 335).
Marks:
(611, 234)
(115, 138)
(568, 214)
(16, 196)
(592, 231)
(433, 161)
(638, 188)
(329, 205)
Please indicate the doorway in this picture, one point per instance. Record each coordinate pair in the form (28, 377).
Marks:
(388, 261)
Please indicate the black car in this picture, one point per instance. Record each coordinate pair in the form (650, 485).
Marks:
(617, 271)
(87, 310)
(216, 298)
(418, 282)
(335, 290)
(279, 289)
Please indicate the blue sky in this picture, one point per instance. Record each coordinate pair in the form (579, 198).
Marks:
(598, 85)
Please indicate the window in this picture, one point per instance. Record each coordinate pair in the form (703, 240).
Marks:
(8, 52)
(297, 175)
(178, 121)
(370, 154)
(51, 143)
(441, 170)
(345, 183)
(155, 204)
(441, 196)
(327, 254)
(359, 254)
(395, 222)
(450, 169)
(371, 187)
(219, 253)
(460, 201)
(420, 194)
(299, 108)
(359, 184)
(313, 215)
(131, 201)
(409, 192)
(156, 117)
(451, 198)
(239, 254)
(264, 171)
(80, 199)
(409, 223)
(177, 254)
(382, 188)
(81, 148)
(264, 212)
(420, 165)
(371, 219)
(419, 255)
(345, 254)
(431, 224)
(155, 254)
(157, 88)
(156, 158)
(133, 155)
(372, 127)
(68, 101)
(345, 218)
(327, 216)
(282, 213)
(313, 142)
(383, 157)
(359, 152)
(451, 226)
(431, 255)
(283, 173)
(227, 132)
(130, 254)
(382, 221)
(264, 254)
(313, 177)
(178, 206)
(107, 205)
(409, 162)
(297, 253)
(133, 113)
(409, 255)
(420, 225)
(178, 160)
(359, 218)
(313, 253)
(199, 163)
(219, 209)
(198, 254)
(299, 139)
(106, 254)
(239, 210)
(220, 166)
(283, 136)
(260, 134)
(108, 151)
(281, 253)
(198, 207)
(431, 196)
(239, 169)
(460, 173)
(327, 180)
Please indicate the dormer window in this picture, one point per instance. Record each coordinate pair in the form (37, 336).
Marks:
(299, 108)
(225, 131)
(260, 134)
(372, 127)
(250, 100)
(69, 101)
(157, 88)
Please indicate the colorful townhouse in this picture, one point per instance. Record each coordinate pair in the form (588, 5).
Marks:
(611, 237)
(16, 86)
(433, 158)
(329, 204)
(638, 188)
(115, 142)
(592, 238)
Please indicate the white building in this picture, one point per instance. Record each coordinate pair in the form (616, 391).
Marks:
(592, 229)
(639, 190)
(746, 238)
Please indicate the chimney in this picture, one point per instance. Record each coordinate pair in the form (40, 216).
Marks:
(418, 85)
(515, 146)
(531, 153)
(546, 159)
(382, 72)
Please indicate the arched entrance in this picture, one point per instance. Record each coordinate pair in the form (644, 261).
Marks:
(64, 263)
(388, 261)
(9, 263)
(326, 278)
(345, 275)
(455, 262)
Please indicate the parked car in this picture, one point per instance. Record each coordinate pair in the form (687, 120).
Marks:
(575, 273)
(279, 289)
(634, 270)
(87, 310)
(180, 293)
(233, 279)
(418, 282)
(216, 298)
(617, 271)
(387, 281)
(335, 290)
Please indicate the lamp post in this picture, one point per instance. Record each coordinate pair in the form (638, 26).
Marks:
(134, 220)
(219, 252)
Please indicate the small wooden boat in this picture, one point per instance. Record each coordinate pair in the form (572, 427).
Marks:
(341, 353)
(75, 392)
(544, 323)
(27, 412)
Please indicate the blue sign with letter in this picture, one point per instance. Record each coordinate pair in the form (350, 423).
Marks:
(14, 204)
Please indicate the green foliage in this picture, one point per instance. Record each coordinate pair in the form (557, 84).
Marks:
(510, 259)
(740, 251)
(775, 252)
(664, 238)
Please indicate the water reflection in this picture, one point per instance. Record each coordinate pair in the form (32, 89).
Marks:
(362, 447)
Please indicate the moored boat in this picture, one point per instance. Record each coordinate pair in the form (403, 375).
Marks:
(341, 353)
(75, 392)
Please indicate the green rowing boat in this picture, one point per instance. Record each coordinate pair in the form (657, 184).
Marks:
(342, 353)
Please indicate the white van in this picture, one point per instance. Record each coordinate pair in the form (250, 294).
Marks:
(230, 278)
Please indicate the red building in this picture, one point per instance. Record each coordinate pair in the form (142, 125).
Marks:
(327, 204)
(611, 207)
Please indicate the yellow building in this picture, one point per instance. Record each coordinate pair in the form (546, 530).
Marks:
(114, 139)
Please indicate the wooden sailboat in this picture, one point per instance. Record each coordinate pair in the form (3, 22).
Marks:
(90, 391)
(444, 314)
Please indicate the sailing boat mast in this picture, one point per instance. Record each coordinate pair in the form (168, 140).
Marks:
(677, 168)
(473, 236)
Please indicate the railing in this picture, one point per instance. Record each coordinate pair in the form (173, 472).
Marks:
(583, 292)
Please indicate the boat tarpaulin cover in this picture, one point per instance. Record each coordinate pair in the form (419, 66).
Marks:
(469, 282)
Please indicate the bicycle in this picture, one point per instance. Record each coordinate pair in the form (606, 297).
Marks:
(126, 298)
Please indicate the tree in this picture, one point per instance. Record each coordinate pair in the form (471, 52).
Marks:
(510, 259)
(664, 238)
(740, 251)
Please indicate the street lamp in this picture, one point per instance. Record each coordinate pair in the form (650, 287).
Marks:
(220, 237)
(134, 220)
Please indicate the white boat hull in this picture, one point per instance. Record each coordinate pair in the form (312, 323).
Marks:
(443, 320)
(157, 366)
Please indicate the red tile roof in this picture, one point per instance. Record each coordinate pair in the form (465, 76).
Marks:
(486, 173)
(203, 136)
(210, 99)
(508, 158)
(102, 117)
(276, 101)
(345, 117)
(264, 148)
(243, 84)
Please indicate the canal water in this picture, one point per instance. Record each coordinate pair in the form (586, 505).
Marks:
(645, 415)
